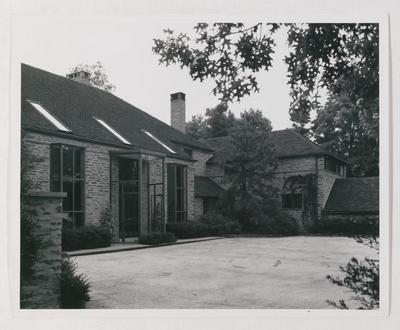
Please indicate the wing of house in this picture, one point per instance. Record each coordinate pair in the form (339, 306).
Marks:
(106, 153)
(308, 175)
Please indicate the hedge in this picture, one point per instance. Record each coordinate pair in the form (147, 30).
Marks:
(346, 226)
(87, 237)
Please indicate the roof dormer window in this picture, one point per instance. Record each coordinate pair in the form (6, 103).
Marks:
(49, 116)
(158, 141)
(112, 130)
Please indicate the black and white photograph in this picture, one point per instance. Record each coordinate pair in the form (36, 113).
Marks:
(169, 164)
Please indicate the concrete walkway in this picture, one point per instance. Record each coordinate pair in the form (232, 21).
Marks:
(134, 245)
(242, 272)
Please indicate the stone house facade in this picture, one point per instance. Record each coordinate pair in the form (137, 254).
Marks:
(117, 163)
(111, 159)
(304, 176)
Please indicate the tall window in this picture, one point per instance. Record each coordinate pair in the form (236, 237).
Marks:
(177, 193)
(67, 175)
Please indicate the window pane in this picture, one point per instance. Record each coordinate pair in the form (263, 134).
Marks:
(55, 161)
(67, 161)
(67, 201)
(78, 196)
(179, 176)
(171, 186)
(78, 163)
(55, 185)
(128, 169)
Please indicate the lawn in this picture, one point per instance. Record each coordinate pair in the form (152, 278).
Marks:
(287, 272)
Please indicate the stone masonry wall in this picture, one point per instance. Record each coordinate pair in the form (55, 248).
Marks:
(201, 160)
(326, 179)
(44, 288)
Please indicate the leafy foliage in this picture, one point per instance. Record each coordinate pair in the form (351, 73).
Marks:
(74, 287)
(340, 59)
(228, 53)
(250, 169)
(98, 76)
(362, 277)
(221, 225)
(217, 122)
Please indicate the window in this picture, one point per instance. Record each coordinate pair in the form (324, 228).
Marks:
(67, 175)
(112, 130)
(49, 116)
(333, 165)
(159, 142)
(177, 193)
(292, 201)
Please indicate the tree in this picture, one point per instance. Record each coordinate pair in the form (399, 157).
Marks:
(217, 122)
(251, 167)
(322, 57)
(197, 127)
(98, 76)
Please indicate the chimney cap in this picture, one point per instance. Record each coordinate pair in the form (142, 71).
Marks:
(178, 96)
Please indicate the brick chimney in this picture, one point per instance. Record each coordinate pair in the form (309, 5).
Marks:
(178, 111)
(80, 76)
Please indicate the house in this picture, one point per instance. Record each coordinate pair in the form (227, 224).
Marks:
(312, 181)
(111, 157)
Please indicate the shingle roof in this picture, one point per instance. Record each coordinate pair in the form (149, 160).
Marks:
(287, 143)
(354, 195)
(205, 187)
(75, 104)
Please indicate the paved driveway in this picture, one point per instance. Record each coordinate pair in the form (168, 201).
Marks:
(226, 273)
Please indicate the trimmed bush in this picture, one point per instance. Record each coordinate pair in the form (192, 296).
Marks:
(74, 287)
(157, 238)
(220, 225)
(346, 226)
(87, 237)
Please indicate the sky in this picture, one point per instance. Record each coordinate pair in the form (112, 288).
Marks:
(123, 45)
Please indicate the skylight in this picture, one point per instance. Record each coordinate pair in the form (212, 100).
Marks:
(112, 130)
(49, 116)
(158, 141)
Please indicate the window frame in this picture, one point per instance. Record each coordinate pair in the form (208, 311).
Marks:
(71, 179)
(340, 167)
(178, 191)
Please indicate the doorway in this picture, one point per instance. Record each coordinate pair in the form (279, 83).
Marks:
(128, 198)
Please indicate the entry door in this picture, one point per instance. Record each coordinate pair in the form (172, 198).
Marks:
(129, 202)
(128, 198)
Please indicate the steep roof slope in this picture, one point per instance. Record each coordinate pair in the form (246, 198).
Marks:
(287, 143)
(354, 195)
(75, 105)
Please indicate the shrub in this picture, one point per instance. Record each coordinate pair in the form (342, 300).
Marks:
(220, 225)
(157, 238)
(74, 287)
(87, 237)
(279, 224)
(361, 277)
(346, 226)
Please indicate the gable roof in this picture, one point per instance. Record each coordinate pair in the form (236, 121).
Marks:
(287, 143)
(75, 104)
(205, 187)
(354, 195)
